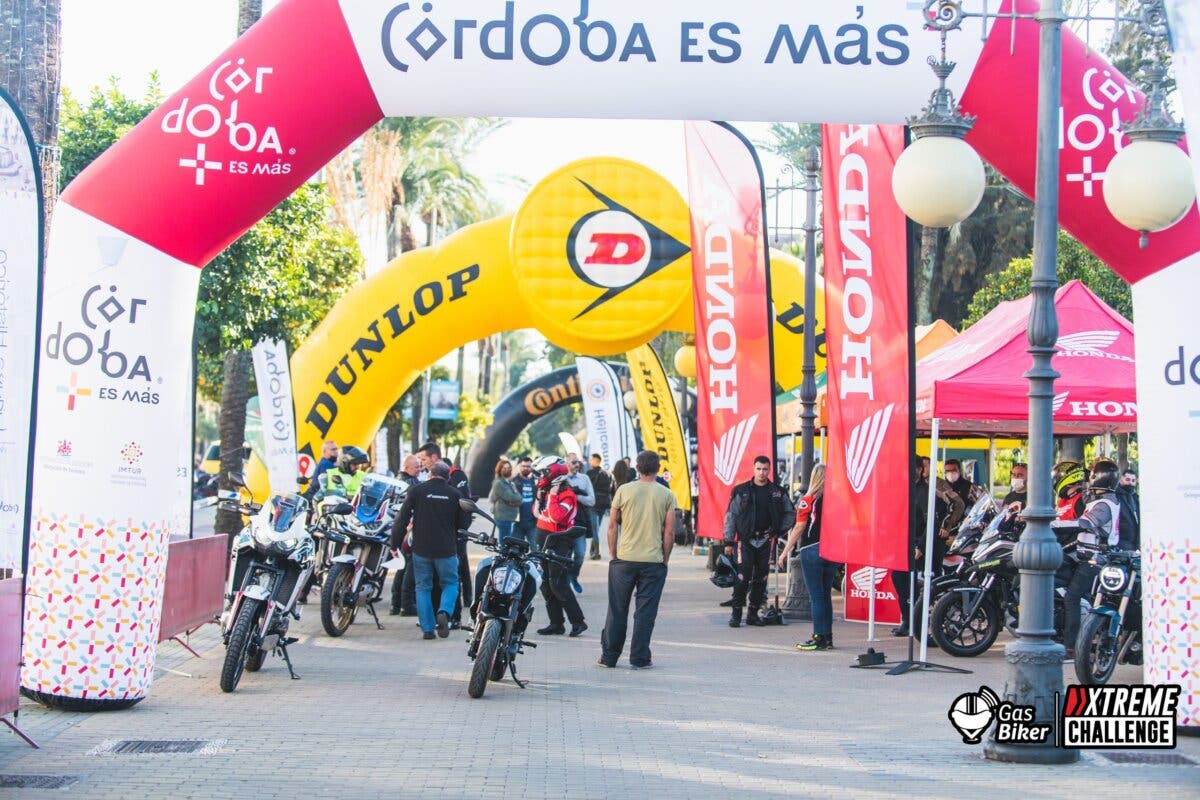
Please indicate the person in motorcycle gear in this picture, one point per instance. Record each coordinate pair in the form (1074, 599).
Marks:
(345, 479)
(1100, 530)
(1069, 481)
(759, 512)
(557, 515)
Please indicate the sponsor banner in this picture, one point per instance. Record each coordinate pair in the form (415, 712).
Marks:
(1168, 378)
(443, 400)
(1184, 17)
(20, 274)
(641, 60)
(860, 582)
(661, 431)
(608, 425)
(112, 474)
(735, 413)
(867, 330)
(277, 414)
(1096, 100)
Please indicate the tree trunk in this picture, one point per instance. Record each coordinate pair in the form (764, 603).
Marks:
(235, 391)
(1071, 448)
(249, 12)
(462, 366)
(393, 448)
(418, 411)
(1123, 450)
(30, 42)
(489, 355)
(932, 247)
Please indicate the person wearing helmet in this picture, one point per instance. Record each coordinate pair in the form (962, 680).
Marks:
(1069, 481)
(345, 479)
(1100, 523)
(557, 515)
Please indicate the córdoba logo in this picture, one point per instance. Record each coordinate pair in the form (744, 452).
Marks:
(865, 442)
(729, 451)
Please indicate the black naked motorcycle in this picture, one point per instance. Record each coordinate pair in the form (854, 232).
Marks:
(987, 596)
(1111, 632)
(506, 585)
(272, 558)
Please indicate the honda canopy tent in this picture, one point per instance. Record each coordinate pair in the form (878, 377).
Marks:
(976, 382)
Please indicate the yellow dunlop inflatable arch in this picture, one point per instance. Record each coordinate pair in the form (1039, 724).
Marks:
(595, 259)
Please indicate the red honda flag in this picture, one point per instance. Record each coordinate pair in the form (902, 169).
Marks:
(867, 329)
(735, 381)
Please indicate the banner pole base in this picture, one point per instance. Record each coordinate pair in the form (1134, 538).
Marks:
(13, 726)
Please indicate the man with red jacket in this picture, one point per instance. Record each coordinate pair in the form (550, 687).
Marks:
(557, 515)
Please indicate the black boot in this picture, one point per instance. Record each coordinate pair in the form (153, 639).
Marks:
(735, 619)
(594, 553)
(754, 619)
(727, 603)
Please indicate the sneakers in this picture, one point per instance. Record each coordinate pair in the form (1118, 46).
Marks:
(393, 612)
(647, 665)
(600, 662)
(429, 634)
(576, 585)
(577, 629)
(552, 630)
(819, 641)
(443, 624)
(735, 619)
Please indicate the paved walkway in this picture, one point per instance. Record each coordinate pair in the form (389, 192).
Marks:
(385, 714)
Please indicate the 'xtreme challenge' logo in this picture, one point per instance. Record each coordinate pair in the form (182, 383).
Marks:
(1090, 717)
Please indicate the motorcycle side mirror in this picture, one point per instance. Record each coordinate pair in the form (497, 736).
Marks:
(469, 505)
(236, 478)
(342, 508)
(303, 480)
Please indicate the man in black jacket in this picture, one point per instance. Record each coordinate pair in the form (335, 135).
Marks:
(433, 509)
(430, 454)
(602, 486)
(759, 512)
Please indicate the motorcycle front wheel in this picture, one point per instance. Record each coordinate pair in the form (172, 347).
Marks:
(485, 657)
(958, 635)
(1095, 651)
(239, 640)
(337, 608)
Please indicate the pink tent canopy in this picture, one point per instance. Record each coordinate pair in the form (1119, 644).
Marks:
(976, 383)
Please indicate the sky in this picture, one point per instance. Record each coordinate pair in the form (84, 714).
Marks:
(178, 38)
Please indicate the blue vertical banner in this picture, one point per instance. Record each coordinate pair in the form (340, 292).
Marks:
(20, 298)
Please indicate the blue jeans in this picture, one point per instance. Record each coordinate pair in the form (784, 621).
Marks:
(599, 528)
(528, 532)
(818, 576)
(447, 573)
(504, 528)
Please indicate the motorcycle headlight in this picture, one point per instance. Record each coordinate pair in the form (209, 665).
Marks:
(1112, 578)
(506, 580)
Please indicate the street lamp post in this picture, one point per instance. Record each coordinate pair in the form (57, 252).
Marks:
(1034, 659)
(808, 370)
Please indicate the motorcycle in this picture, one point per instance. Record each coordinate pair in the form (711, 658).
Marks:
(1111, 632)
(271, 559)
(959, 554)
(359, 556)
(510, 582)
(970, 614)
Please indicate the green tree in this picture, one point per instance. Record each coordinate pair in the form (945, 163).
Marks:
(88, 129)
(1074, 262)
(474, 416)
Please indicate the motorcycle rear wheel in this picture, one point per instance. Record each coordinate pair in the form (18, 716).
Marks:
(239, 640)
(485, 658)
(1095, 651)
(336, 615)
(961, 637)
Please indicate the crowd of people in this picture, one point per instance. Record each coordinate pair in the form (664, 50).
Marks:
(630, 513)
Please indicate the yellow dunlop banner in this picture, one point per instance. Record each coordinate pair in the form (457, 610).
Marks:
(660, 420)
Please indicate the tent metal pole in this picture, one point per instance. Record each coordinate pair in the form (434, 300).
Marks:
(930, 515)
(991, 465)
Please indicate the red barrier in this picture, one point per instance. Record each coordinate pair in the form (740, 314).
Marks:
(10, 645)
(195, 584)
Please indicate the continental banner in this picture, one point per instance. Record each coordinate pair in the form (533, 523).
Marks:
(274, 379)
(20, 282)
(661, 431)
(609, 430)
(867, 330)
(735, 413)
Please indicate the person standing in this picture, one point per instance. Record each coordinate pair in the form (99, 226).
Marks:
(641, 529)
(602, 485)
(621, 475)
(585, 495)
(759, 512)
(818, 572)
(526, 483)
(430, 453)
(1019, 494)
(947, 505)
(558, 516)
(404, 585)
(505, 499)
(329, 456)
(436, 516)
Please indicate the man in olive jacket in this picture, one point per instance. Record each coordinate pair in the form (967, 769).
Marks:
(759, 512)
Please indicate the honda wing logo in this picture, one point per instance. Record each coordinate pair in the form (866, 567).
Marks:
(729, 451)
(1087, 341)
(866, 578)
(863, 450)
(1059, 401)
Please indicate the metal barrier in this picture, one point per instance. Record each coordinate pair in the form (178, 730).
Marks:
(10, 653)
(194, 592)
